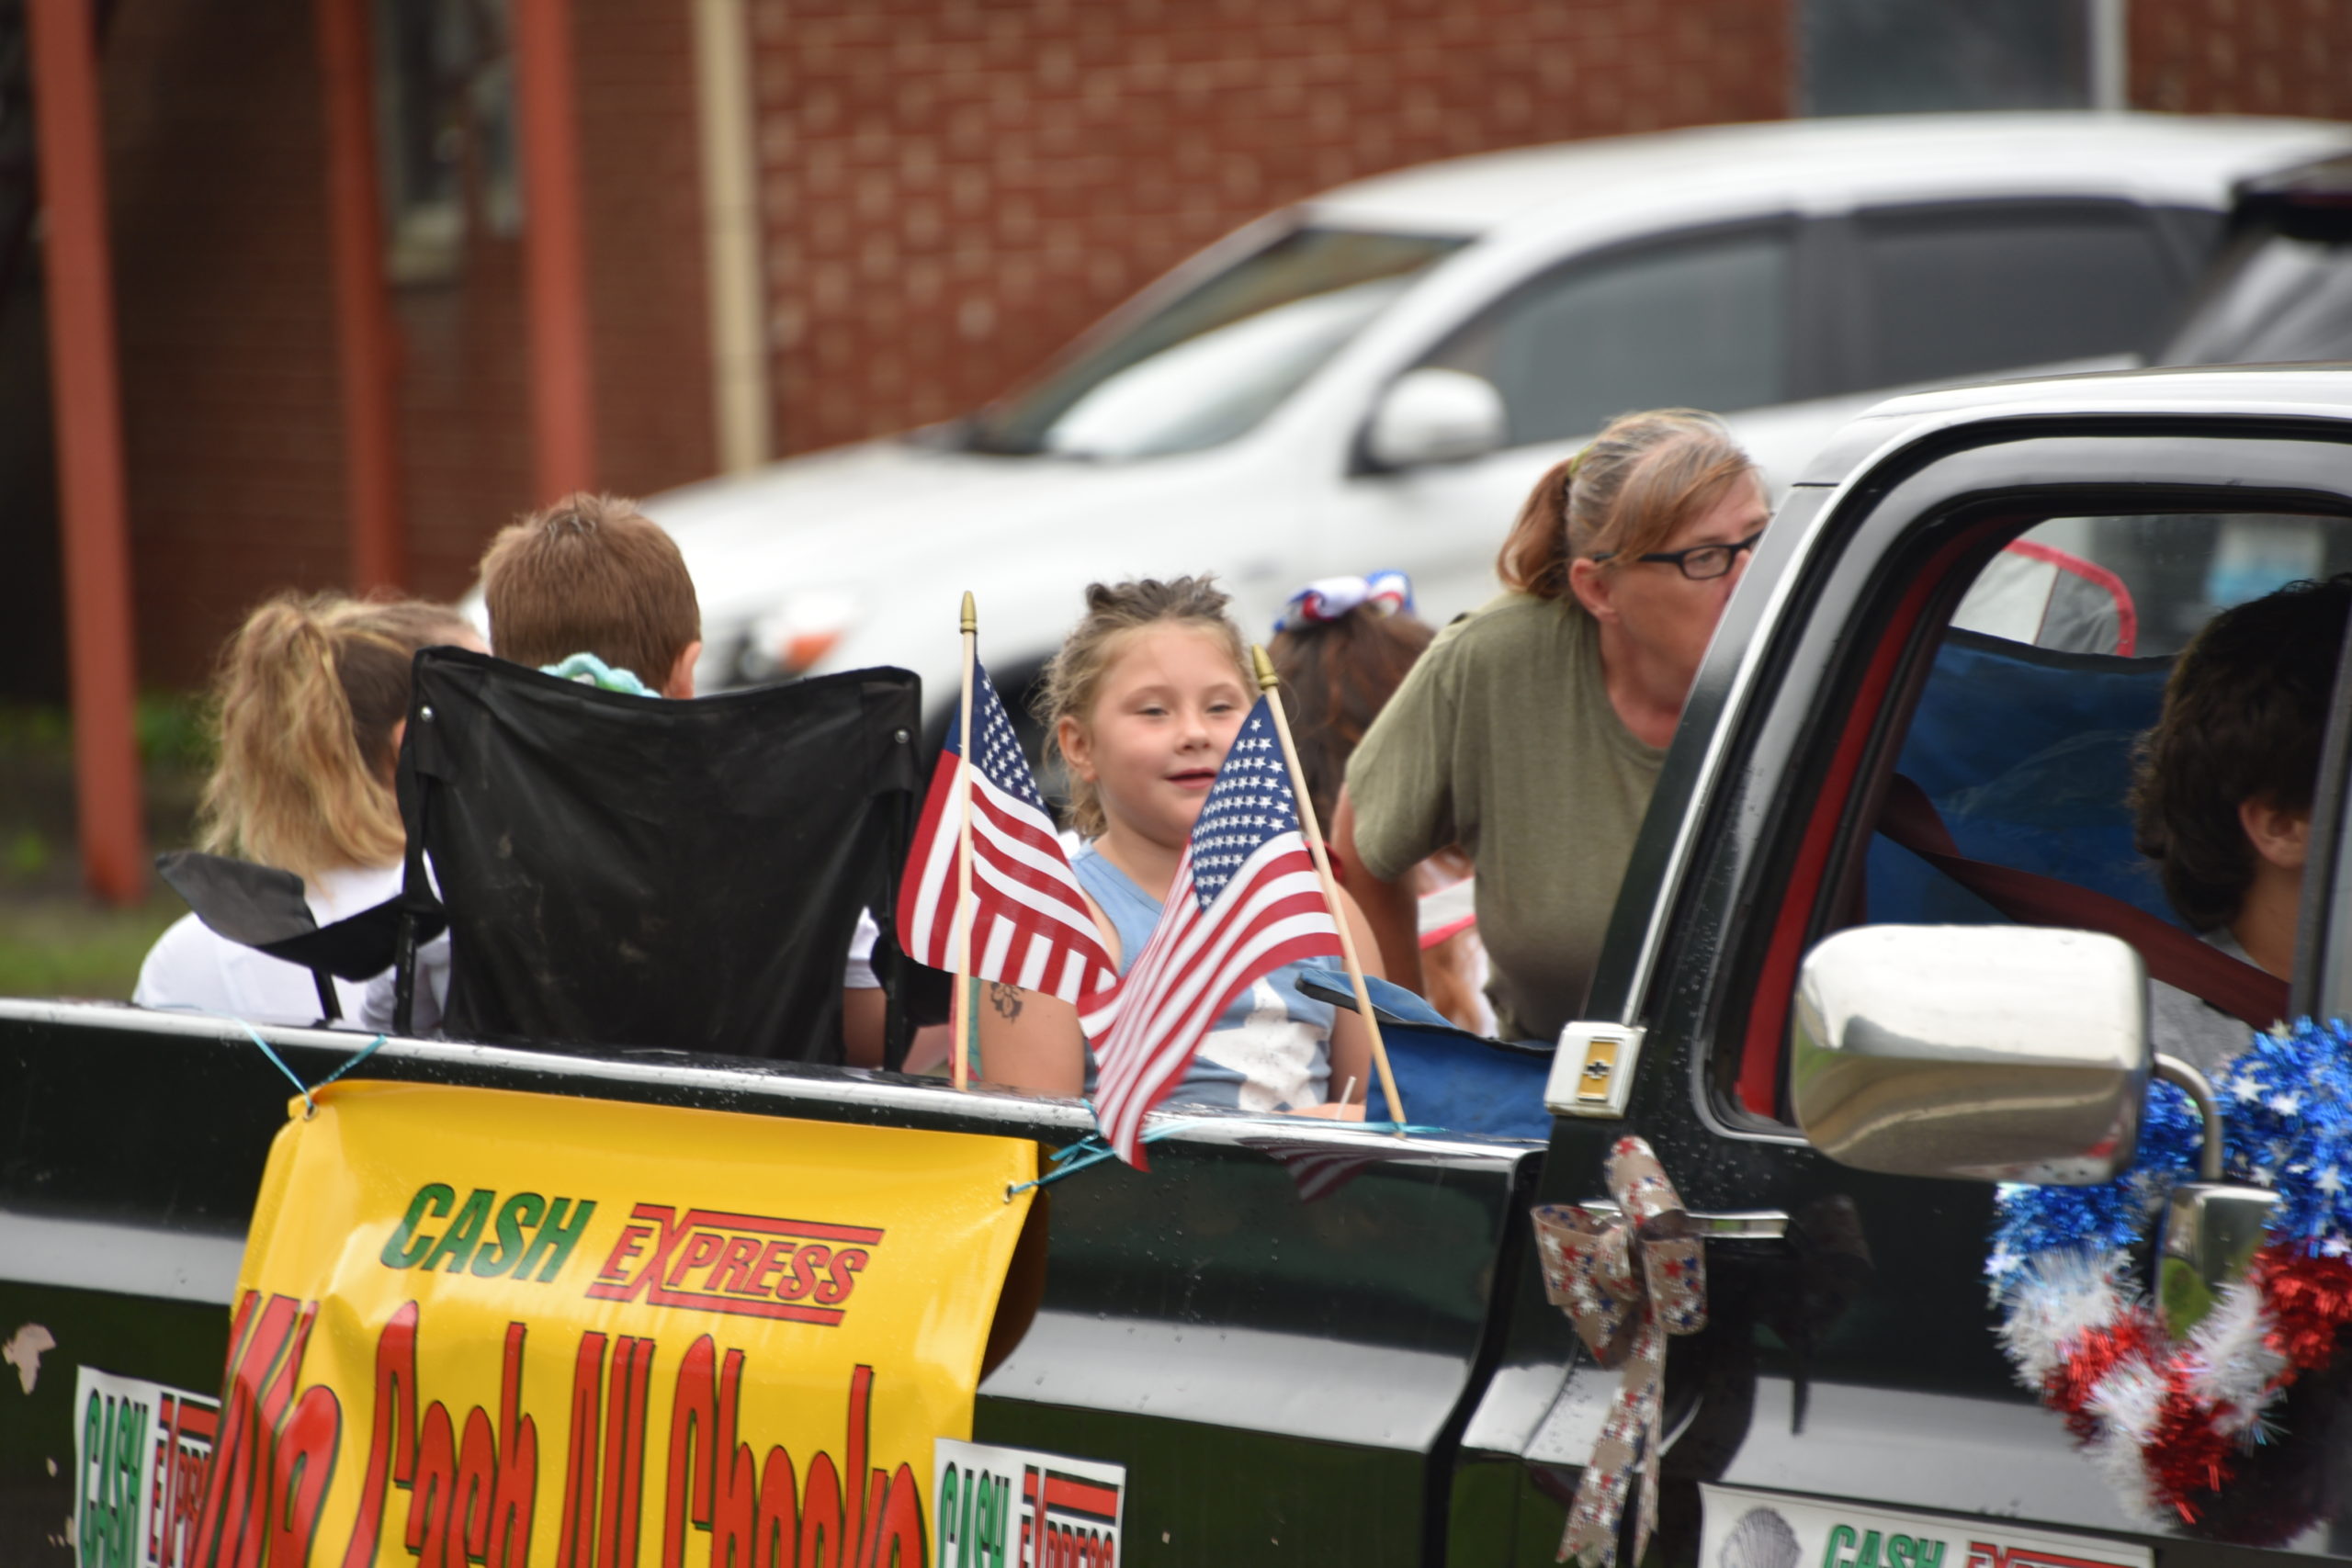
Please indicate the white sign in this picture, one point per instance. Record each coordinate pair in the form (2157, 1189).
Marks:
(1015, 1508)
(140, 1454)
(1772, 1530)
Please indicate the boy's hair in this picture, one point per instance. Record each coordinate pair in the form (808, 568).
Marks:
(1337, 676)
(591, 574)
(1068, 687)
(304, 707)
(2244, 714)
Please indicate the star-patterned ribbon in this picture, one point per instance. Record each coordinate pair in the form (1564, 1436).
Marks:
(1626, 1280)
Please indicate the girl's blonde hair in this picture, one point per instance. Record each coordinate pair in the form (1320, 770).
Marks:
(304, 704)
(1074, 679)
(1625, 495)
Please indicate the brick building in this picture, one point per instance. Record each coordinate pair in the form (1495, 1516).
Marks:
(945, 190)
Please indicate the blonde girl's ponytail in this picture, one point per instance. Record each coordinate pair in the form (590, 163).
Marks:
(305, 702)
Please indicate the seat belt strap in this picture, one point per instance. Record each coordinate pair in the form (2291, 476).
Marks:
(2252, 995)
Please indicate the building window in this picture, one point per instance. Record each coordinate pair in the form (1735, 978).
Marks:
(1926, 56)
(445, 105)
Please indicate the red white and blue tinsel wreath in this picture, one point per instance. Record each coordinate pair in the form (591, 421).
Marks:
(2171, 1422)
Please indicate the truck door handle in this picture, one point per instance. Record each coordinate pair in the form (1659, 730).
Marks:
(1741, 1224)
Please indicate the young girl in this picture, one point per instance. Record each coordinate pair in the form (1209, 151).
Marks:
(1342, 648)
(309, 702)
(1143, 700)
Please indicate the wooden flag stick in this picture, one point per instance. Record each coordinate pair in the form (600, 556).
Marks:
(960, 1058)
(1270, 684)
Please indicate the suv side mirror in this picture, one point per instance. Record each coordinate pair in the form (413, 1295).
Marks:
(1432, 416)
(1984, 1053)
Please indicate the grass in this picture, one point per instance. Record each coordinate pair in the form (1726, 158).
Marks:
(72, 946)
(55, 941)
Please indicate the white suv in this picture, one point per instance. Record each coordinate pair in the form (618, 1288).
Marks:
(1374, 378)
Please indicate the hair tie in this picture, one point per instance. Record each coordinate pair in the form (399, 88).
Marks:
(1329, 598)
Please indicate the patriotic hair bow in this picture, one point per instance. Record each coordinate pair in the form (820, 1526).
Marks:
(1627, 1279)
(1329, 597)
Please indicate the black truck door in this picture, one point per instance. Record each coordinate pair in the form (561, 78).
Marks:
(1850, 1362)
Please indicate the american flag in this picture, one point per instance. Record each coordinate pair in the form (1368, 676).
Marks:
(1030, 926)
(1321, 1168)
(1246, 901)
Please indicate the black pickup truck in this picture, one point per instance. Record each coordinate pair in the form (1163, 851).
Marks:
(1364, 1367)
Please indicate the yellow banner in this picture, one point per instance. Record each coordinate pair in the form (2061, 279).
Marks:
(498, 1328)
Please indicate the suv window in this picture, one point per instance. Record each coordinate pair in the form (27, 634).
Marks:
(2277, 299)
(1951, 292)
(1698, 321)
(1210, 364)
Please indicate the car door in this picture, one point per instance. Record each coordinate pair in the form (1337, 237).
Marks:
(1851, 1360)
(1717, 317)
(1955, 291)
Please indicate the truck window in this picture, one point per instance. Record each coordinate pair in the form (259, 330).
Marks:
(1696, 321)
(1956, 291)
(2022, 713)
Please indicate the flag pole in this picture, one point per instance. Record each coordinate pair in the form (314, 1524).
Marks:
(959, 1058)
(1271, 683)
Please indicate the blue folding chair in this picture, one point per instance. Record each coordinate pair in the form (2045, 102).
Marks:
(1448, 1077)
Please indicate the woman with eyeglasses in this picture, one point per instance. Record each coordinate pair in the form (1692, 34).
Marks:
(1530, 733)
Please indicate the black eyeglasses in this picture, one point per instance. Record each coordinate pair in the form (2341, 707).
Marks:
(1700, 563)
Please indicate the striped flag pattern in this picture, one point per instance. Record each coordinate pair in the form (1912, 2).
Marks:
(1246, 901)
(1030, 926)
(1322, 1167)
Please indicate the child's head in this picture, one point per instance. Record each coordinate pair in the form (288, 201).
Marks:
(2223, 791)
(1142, 702)
(591, 575)
(309, 701)
(1341, 660)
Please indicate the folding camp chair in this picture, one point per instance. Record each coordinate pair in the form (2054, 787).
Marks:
(1447, 1076)
(624, 871)
(263, 907)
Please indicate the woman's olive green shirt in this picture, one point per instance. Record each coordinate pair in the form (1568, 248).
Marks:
(1502, 739)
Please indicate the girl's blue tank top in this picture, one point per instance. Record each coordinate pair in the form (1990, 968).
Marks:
(1271, 1049)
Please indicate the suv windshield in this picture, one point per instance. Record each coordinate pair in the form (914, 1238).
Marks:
(2276, 299)
(1211, 364)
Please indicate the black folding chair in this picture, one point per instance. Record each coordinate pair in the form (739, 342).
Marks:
(263, 909)
(624, 871)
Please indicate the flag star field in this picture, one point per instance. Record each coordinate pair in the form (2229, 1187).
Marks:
(1250, 803)
(1000, 756)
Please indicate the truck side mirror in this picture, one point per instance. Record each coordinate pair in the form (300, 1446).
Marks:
(1982, 1053)
(1432, 416)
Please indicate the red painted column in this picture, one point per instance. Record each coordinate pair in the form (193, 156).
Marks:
(563, 425)
(363, 312)
(78, 279)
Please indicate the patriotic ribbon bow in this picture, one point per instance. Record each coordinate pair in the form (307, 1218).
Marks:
(1626, 1280)
(1329, 598)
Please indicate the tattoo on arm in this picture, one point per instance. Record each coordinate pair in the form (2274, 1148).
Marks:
(1008, 1000)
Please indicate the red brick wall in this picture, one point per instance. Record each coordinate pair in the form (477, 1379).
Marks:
(641, 155)
(231, 393)
(2283, 57)
(224, 315)
(466, 385)
(953, 188)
